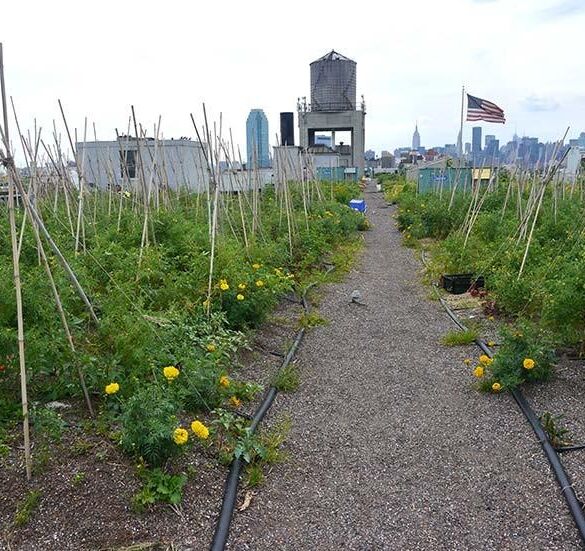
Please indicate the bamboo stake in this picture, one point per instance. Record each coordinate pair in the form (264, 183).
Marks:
(8, 161)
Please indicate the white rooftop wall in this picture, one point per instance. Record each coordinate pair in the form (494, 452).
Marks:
(173, 163)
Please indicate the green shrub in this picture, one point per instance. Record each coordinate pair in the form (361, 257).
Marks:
(148, 420)
(525, 355)
(158, 486)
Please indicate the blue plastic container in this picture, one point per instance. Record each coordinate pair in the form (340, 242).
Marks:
(358, 204)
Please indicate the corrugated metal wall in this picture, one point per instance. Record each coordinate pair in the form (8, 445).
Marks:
(432, 179)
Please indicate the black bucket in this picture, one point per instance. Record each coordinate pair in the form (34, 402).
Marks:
(458, 284)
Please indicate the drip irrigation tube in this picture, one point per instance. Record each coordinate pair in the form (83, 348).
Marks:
(573, 502)
(230, 495)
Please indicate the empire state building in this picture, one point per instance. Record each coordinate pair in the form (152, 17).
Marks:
(416, 138)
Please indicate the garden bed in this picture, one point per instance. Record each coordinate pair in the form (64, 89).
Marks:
(86, 484)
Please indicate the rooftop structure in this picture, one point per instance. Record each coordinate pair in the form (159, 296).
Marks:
(333, 109)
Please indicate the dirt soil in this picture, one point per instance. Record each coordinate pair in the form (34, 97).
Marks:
(86, 484)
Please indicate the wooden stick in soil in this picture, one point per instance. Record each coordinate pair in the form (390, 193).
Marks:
(61, 311)
(9, 163)
(80, 175)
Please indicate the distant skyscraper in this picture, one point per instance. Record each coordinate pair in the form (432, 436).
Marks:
(370, 155)
(257, 140)
(467, 148)
(476, 140)
(416, 138)
(492, 146)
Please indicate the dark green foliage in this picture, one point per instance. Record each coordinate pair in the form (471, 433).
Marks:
(152, 313)
(518, 344)
(550, 290)
(158, 486)
(287, 379)
(27, 507)
(148, 420)
(47, 423)
(557, 434)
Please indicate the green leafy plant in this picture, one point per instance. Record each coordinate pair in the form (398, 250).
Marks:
(158, 486)
(79, 478)
(27, 507)
(47, 423)
(557, 434)
(254, 475)
(525, 355)
(312, 319)
(287, 379)
(249, 447)
(148, 420)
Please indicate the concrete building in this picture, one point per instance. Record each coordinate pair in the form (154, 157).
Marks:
(122, 163)
(575, 163)
(416, 139)
(288, 164)
(333, 109)
(257, 140)
(387, 160)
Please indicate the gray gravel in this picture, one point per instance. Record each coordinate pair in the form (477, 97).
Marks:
(391, 447)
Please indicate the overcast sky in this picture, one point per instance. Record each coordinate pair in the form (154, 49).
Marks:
(166, 58)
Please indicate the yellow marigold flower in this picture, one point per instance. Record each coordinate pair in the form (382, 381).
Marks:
(485, 359)
(200, 430)
(170, 372)
(491, 318)
(211, 347)
(491, 343)
(528, 363)
(259, 283)
(223, 284)
(180, 436)
(112, 388)
(278, 272)
(467, 361)
(239, 296)
(241, 286)
(235, 401)
(256, 266)
(496, 387)
(224, 381)
(478, 371)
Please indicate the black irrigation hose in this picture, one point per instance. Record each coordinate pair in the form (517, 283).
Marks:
(563, 449)
(230, 495)
(575, 505)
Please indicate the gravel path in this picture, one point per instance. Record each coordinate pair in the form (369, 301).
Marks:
(391, 447)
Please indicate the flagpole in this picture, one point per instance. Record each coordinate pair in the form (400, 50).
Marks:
(461, 127)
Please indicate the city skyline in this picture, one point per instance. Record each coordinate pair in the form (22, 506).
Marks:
(425, 86)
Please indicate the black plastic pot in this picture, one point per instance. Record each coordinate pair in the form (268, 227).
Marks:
(461, 283)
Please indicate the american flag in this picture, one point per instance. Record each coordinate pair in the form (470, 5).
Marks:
(483, 110)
